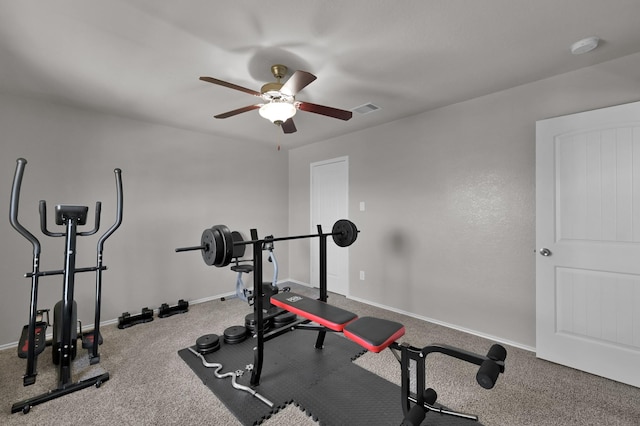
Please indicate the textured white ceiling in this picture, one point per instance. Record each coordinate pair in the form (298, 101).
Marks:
(142, 58)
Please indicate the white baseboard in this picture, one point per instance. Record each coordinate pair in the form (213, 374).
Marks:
(445, 324)
(289, 280)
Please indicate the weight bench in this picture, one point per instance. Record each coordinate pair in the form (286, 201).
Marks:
(373, 334)
(376, 334)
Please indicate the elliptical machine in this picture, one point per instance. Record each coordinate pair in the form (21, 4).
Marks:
(32, 342)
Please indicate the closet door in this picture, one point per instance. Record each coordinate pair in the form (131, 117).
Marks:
(330, 202)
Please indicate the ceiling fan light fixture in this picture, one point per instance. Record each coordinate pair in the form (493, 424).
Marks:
(277, 111)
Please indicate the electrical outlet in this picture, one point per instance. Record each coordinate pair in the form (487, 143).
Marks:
(361, 275)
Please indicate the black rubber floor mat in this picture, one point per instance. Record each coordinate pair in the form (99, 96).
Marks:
(325, 383)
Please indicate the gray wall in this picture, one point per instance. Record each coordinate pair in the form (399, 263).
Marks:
(448, 230)
(176, 183)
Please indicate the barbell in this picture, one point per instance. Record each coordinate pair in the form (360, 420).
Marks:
(216, 243)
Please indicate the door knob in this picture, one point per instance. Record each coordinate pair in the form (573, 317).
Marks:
(545, 252)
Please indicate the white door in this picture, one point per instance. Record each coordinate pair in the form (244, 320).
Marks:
(330, 202)
(588, 220)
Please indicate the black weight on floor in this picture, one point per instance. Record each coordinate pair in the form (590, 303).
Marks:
(250, 323)
(208, 343)
(235, 334)
(284, 319)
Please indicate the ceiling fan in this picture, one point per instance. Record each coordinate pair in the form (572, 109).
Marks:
(279, 102)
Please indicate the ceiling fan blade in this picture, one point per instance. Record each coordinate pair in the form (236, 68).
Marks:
(230, 86)
(238, 111)
(298, 81)
(325, 110)
(288, 126)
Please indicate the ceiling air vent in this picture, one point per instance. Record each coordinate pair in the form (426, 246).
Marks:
(366, 108)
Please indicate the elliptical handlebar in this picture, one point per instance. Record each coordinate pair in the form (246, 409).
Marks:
(15, 201)
(43, 221)
(96, 222)
(118, 222)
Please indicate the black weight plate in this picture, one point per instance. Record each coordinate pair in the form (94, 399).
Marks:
(208, 343)
(230, 341)
(210, 350)
(250, 323)
(219, 245)
(284, 319)
(250, 320)
(228, 245)
(224, 253)
(344, 233)
(209, 252)
(235, 334)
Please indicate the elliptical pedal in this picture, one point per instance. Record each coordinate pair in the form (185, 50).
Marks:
(87, 340)
(40, 342)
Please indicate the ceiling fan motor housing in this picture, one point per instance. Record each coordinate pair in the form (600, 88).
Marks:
(279, 71)
(272, 91)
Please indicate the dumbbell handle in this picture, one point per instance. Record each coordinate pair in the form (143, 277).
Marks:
(192, 248)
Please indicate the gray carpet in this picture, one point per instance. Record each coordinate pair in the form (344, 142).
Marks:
(150, 384)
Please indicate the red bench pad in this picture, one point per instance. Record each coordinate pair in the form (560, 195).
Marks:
(315, 310)
(373, 334)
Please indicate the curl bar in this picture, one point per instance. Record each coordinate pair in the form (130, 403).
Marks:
(216, 243)
(233, 376)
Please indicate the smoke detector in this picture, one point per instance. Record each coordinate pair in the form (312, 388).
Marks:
(585, 45)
